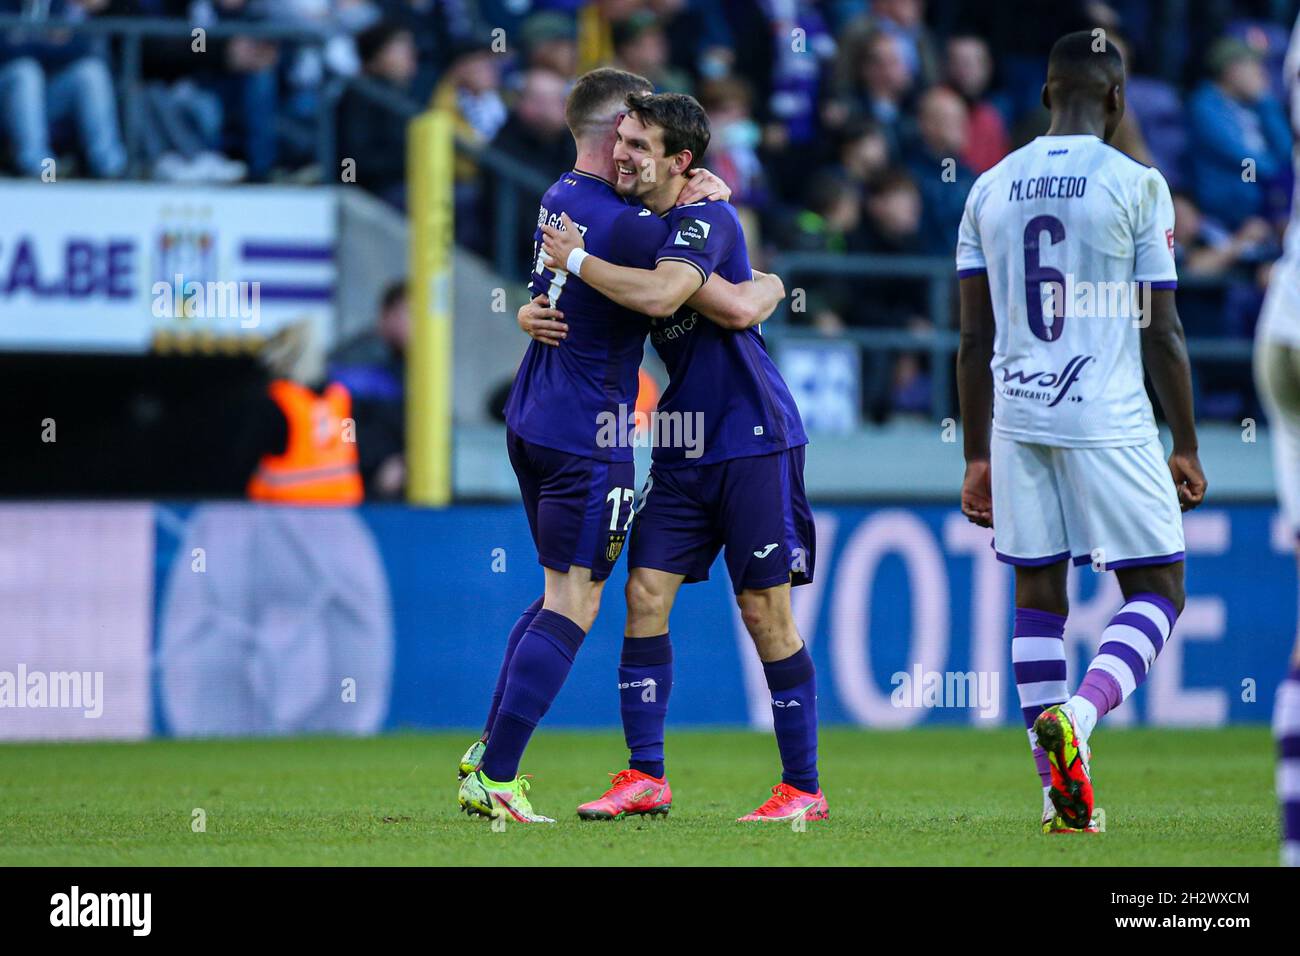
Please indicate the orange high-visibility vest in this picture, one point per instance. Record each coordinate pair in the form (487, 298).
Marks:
(647, 397)
(317, 467)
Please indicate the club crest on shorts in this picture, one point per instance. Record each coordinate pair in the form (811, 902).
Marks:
(615, 546)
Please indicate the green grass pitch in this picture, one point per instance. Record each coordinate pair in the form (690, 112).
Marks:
(919, 797)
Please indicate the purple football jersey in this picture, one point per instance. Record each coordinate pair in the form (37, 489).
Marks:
(726, 377)
(562, 396)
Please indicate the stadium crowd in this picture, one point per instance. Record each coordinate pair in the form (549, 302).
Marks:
(842, 126)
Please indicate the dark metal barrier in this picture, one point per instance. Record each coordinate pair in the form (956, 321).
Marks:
(938, 273)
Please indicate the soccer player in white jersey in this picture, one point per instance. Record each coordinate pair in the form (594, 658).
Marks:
(1063, 458)
(1277, 377)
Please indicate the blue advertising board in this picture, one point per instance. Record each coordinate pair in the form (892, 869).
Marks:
(391, 617)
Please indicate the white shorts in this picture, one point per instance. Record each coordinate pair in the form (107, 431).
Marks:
(1279, 315)
(1277, 379)
(1108, 507)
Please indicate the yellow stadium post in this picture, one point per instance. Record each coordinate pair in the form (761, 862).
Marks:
(429, 357)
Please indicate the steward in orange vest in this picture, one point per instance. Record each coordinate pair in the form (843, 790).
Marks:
(317, 466)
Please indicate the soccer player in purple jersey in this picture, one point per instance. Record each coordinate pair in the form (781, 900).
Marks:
(727, 472)
(577, 483)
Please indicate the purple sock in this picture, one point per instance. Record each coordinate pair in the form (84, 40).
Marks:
(512, 642)
(1038, 662)
(537, 671)
(793, 684)
(1102, 690)
(645, 679)
(1129, 646)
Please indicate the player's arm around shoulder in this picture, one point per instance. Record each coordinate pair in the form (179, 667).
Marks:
(739, 306)
(542, 322)
(657, 292)
(703, 185)
(702, 237)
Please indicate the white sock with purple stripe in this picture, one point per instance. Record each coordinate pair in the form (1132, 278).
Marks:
(1129, 646)
(1286, 731)
(1038, 660)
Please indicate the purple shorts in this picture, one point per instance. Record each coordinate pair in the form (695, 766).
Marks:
(754, 507)
(578, 508)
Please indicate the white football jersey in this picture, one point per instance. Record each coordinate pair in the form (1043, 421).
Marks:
(1069, 231)
(1280, 318)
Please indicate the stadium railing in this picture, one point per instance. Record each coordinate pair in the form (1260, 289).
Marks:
(514, 183)
(940, 341)
(511, 185)
(935, 273)
(129, 33)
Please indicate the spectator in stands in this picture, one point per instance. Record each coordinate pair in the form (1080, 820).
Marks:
(831, 219)
(1153, 110)
(892, 226)
(894, 210)
(374, 138)
(1022, 32)
(534, 136)
(904, 20)
(641, 47)
(797, 61)
(550, 41)
(535, 133)
(309, 67)
(249, 84)
(596, 20)
(894, 216)
(1235, 118)
(969, 69)
(1226, 309)
(1204, 248)
(829, 223)
(437, 26)
(733, 150)
(179, 120)
(470, 91)
(372, 366)
(702, 37)
(943, 179)
(48, 77)
(877, 83)
(863, 153)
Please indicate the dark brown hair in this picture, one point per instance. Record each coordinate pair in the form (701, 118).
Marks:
(682, 119)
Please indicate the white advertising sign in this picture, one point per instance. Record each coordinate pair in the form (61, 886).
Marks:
(120, 267)
(76, 617)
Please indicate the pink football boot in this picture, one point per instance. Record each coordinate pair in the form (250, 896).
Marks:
(630, 793)
(788, 804)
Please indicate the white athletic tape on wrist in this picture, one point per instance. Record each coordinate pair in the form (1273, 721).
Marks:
(574, 265)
